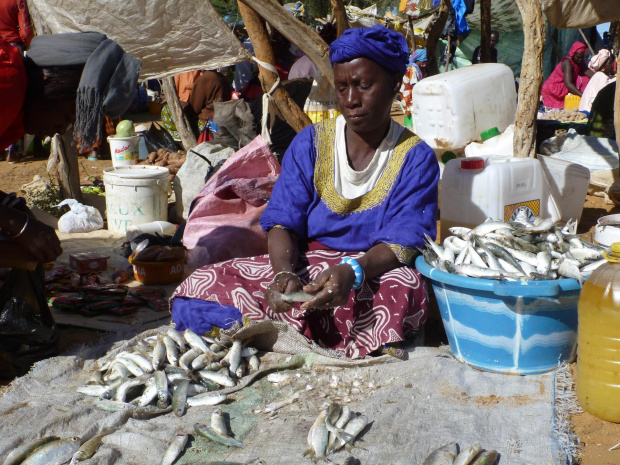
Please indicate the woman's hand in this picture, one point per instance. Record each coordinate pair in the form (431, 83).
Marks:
(333, 287)
(284, 283)
(40, 240)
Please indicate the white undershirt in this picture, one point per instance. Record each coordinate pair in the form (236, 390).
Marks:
(352, 184)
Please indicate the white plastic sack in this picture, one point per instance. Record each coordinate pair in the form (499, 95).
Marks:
(80, 219)
(595, 153)
(499, 145)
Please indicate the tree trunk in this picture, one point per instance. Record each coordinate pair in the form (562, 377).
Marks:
(68, 168)
(432, 67)
(617, 109)
(531, 78)
(485, 31)
(188, 138)
(289, 110)
(614, 30)
(304, 38)
(342, 22)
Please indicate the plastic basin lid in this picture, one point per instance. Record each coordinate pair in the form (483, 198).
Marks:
(137, 171)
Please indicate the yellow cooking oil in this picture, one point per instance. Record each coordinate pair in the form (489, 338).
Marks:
(598, 340)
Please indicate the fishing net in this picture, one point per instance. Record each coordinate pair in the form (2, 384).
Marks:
(413, 407)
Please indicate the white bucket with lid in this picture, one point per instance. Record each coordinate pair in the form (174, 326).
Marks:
(135, 195)
(124, 150)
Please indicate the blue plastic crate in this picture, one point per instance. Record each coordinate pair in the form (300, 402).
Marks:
(516, 327)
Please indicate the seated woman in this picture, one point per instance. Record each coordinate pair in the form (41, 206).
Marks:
(603, 65)
(571, 75)
(351, 207)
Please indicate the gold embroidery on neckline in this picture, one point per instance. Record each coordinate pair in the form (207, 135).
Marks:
(325, 134)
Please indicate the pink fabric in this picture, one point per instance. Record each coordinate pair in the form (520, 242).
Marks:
(598, 81)
(224, 218)
(554, 90)
(384, 310)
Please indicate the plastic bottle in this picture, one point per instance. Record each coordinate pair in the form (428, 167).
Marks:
(598, 340)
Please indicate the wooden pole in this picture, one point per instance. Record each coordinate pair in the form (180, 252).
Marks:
(300, 35)
(617, 108)
(290, 111)
(448, 54)
(485, 31)
(531, 78)
(432, 67)
(342, 22)
(66, 148)
(587, 42)
(188, 138)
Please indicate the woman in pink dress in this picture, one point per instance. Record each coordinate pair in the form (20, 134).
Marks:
(571, 75)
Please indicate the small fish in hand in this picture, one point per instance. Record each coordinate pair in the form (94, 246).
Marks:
(300, 296)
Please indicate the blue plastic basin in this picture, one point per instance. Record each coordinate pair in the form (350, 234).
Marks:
(518, 327)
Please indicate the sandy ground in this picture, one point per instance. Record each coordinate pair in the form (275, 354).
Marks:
(597, 436)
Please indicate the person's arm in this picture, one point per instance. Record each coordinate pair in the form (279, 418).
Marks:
(284, 257)
(567, 69)
(21, 228)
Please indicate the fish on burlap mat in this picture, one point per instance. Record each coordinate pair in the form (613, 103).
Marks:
(413, 407)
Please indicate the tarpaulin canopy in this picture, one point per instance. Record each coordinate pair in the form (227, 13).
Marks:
(169, 36)
(563, 14)
(580, 13)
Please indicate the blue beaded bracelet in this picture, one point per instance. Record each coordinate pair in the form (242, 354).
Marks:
(357, 269)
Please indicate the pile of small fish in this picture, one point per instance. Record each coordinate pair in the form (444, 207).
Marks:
(177, 368)
(472, 455)
(516, 251)
(335, 427)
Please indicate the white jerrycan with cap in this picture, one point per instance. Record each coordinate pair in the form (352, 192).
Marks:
(499, 187)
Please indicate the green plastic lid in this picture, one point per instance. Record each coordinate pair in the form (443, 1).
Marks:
(447, 156)
(489, 133)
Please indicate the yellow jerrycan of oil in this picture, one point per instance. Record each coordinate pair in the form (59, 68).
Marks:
(598, 340)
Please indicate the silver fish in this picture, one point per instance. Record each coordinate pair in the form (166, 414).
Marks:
(445, 455)
(208, 432)
(174, 449)
(234, 358)
(93, 390)
(195, 341)
(318, 437)
(159, 355)
(161, 381)
(300, 296)
(178, 339)
(208, 398)
(132, 366)
(488, 457)
(179, 398)
(543, 265)
(490, 226)
(144, 364)
(570, 270)
(149, 394)
(462, 233)
(467, 455)
(18, 455)
(188, 357)
(88, 449)
(172, 351)
(354, 427)
(202, 361)
(54, 453)
(222, 380)
(254, 363)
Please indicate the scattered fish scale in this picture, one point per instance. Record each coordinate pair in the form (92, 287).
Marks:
(516, 251)
(171, 371)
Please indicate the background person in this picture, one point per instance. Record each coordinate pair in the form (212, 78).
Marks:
(603, 65)
(571, 75)
(54, 86)
(494, 39)
(354, 199)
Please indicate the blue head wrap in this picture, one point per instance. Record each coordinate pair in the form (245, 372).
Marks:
(419, 55)
(377, 43)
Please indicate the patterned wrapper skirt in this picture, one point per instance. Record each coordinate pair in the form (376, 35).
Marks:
(385, 310)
